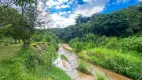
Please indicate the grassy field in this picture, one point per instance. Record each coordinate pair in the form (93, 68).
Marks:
(28, 64)
(8, 52)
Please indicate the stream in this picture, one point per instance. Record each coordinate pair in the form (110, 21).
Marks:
(70, 67)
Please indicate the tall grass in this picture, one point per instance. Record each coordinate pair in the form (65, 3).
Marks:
(133, 43)
(83, 67)
(122, 63)
(122, 55)
(101, 77)
(31, 65)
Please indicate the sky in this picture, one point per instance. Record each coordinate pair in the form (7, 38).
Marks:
(64, 12)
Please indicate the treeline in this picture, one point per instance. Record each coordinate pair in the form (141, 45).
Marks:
(122, 23)
(112, 41)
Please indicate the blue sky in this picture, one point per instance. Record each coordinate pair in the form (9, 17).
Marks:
(64, 12)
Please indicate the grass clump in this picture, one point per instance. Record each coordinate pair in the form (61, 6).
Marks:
(64, 57)
(101, 77)
(83, 67)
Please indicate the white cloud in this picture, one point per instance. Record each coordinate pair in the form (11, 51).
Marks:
(65, 6)
(62, 6)
(139, 0)
(61, 21)
(91, 7)
(69, 12)
(120, 1)
(87, 0)
(52, 3)
(62, 1)
(87, 9)
(62, 13)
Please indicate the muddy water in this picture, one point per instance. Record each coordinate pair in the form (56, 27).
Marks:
(70, 67)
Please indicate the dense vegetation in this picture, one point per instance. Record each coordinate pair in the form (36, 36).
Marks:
(112, 41)
(123, 23)
(33, 62)
(29, 64)
(26, 53)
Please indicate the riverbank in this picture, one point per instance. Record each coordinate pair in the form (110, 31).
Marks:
(72, 65)
(32, 63)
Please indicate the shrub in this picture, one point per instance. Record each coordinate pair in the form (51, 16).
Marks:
(132, 43)
(83, 67)
(101, 77)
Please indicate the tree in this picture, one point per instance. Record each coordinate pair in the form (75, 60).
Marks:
(24, 22)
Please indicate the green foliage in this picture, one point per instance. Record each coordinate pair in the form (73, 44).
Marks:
(22, 2)
(83, 67)
(78, 46)
(122, 23)
(125, 64)
(101, 77)
(30, 65)
(8, 52)
(132, 43)
(86, 42)
(118, 54)
(46, 36)
(64, 57)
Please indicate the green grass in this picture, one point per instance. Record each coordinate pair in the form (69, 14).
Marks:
(122, 63)
(64, 57)
(30, 65)
(8, 52)
(83, 67)
(101, 77)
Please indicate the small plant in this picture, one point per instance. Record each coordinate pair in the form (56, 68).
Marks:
(64, 57)
(83, 67)
(101, 77)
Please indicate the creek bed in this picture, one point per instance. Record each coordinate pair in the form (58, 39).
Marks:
(70, 66)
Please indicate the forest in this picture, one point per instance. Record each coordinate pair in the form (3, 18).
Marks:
(112, 41)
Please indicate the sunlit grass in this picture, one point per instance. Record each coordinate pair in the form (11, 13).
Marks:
(101, 77)
(122, 63)
(83, 67)
(8, 52)
(28, 64)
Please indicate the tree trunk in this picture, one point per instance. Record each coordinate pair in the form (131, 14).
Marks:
(25, 44)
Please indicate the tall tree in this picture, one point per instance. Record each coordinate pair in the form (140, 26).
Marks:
(24, 22)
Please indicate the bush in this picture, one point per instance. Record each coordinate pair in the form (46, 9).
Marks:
(101, 77)
(83, 67)
(77, 46)
(132, 43)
